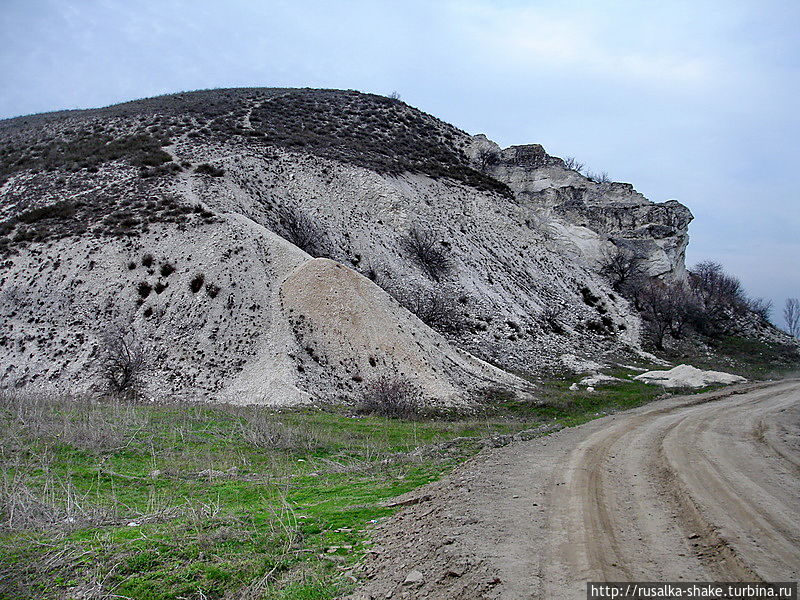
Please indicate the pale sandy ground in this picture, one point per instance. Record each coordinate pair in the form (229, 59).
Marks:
(697, 488)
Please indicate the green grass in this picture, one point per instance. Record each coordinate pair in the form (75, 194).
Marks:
(746, 357)
(226, 501)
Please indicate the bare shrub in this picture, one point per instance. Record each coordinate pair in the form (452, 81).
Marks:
(791, 314)
(486, 158)
(438, 308)
(667, 308)
(551, 318)
(624, 270)
(207, 169)
(760, 306)
(391, 396)
(53, 503)
(123, 361)
(571, 163)
(81, 421)
(296, 227)
(263, 430)
(600, 177)
(425, 248)
(196, 284)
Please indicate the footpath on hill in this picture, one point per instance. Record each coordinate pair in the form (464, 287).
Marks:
(695, 488)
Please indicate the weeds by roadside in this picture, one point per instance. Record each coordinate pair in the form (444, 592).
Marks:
(102, 499)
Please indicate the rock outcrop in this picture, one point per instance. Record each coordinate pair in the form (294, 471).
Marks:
(591, 217)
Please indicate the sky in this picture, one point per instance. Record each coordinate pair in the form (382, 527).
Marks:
(692, 100)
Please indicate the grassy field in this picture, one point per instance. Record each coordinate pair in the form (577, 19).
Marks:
(104, 499)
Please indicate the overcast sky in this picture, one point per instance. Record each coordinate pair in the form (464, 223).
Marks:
(695, 100)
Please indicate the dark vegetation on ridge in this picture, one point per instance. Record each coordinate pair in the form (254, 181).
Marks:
(367, 130)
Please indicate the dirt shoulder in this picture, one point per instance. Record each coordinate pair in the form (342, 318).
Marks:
(698, 488)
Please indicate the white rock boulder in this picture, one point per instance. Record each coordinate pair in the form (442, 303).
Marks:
(687, 376)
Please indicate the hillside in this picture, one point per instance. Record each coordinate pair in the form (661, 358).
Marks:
(281, 246)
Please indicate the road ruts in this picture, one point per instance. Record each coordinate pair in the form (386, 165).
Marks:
(700, 488)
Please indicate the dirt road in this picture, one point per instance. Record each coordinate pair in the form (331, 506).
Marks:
(698, 488)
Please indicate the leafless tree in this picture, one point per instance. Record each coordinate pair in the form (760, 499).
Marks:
(667, 308)
(425, 248)
(573, 164)
(487, 157)
(623, 268)
(395, 95)
(124, 360)
(791, 313)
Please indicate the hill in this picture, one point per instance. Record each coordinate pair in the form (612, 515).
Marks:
(282, 246)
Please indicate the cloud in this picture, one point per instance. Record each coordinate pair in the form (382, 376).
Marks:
(585, 43)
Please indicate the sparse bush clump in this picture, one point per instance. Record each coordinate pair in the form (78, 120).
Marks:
(59, 210)
(207, 169)
(438, 308)
(144, 289)
(167, 269)
(426, 250)
(84, 150)
(720, 298)
(196, 284)
(212, 290)
(296, 227)
(391, 396)
(551, 319)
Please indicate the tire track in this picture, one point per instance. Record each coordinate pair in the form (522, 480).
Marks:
(697, 488)
(655, 496)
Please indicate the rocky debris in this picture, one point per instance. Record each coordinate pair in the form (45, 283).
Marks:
(687, 376)
(414, 578)
(498, 441)
(579, 365)
(598, 379)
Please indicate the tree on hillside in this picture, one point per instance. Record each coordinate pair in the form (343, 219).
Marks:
(123, 360)
(487, 157)
(623, 268)
(791, 313)
(572, 163)
(667, 308)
